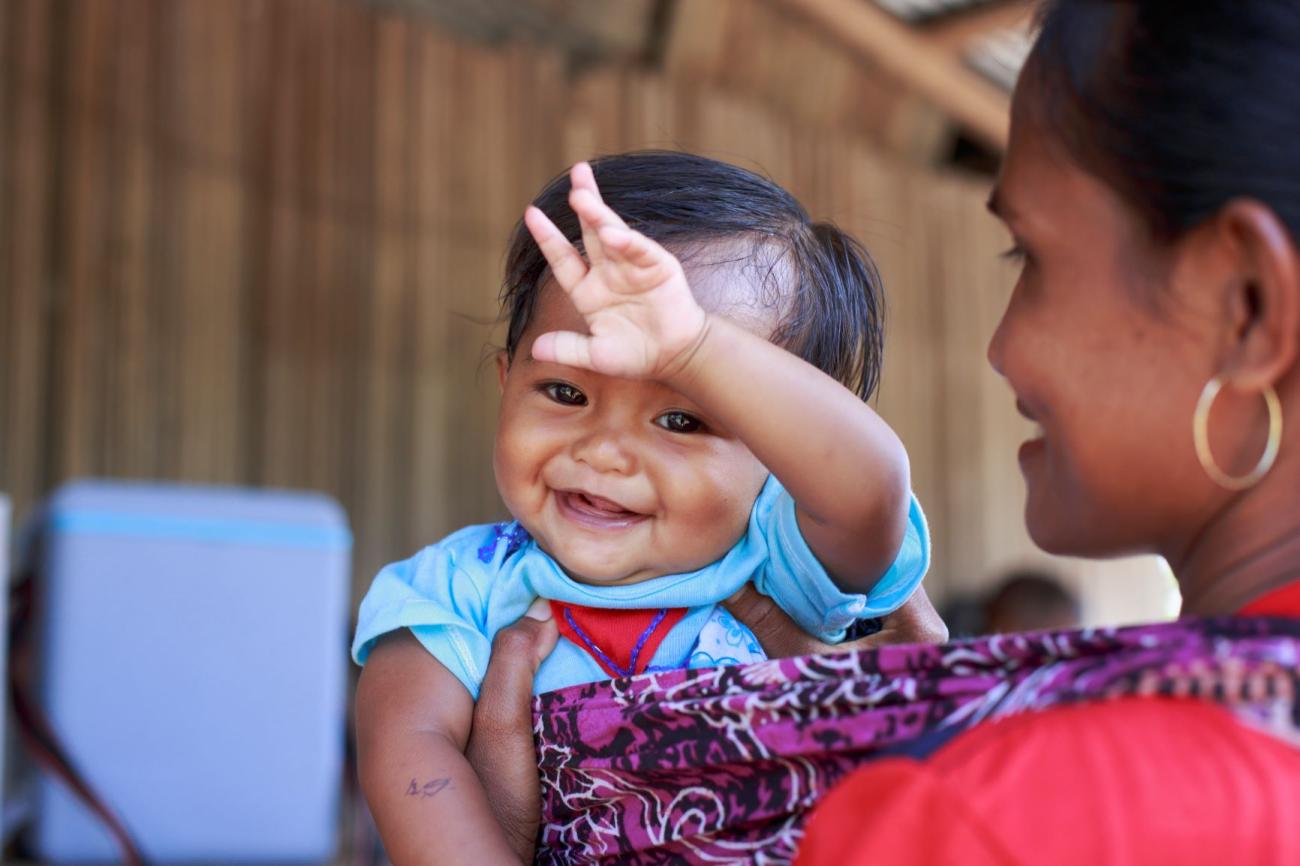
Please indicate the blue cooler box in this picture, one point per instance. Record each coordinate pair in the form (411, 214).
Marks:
(192, 660)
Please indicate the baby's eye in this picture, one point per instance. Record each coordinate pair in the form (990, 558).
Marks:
(565, 394)
(679, 422)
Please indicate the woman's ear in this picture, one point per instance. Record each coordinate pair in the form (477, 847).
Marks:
(1263, 305)
(503, 367)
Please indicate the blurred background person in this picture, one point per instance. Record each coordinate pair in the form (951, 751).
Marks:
(1030, 601)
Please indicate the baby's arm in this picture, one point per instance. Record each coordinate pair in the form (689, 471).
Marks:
(843, 465)
(413, 723)
(845, 468)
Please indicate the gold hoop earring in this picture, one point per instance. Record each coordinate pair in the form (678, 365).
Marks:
(1201, 435)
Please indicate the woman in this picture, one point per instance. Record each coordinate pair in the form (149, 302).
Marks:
(1152, 188)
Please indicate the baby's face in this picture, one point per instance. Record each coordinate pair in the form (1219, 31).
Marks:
(621, 480)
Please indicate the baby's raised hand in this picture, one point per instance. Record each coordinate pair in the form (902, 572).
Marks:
(633, 294)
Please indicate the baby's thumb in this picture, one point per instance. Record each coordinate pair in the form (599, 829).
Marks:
(563, 347)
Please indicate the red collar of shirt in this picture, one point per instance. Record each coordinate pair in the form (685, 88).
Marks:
(622, 642)
(1280, 602)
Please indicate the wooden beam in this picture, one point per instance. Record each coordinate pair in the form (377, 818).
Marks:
(893, 47)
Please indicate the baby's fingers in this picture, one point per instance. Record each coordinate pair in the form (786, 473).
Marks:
(624, 246)
(563, 347)
(584, 198)
(592, 211)
(582, 177)
(566, 264)
(593, 214)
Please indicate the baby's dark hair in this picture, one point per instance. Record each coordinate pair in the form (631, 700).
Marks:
(833, 303)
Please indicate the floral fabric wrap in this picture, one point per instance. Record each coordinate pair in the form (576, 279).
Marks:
(721, 765)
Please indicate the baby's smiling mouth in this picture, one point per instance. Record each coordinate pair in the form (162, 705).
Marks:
(595, 512)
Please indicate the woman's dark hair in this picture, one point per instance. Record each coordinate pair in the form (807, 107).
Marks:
(825, 282)
(1178, 105)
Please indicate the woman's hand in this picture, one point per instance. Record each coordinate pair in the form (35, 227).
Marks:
(500, 746)
(644, 321)
(915, 622)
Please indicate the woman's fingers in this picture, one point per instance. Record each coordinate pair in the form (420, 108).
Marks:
(566, 264)
(781, 637)
(915, 622)
(501, 741)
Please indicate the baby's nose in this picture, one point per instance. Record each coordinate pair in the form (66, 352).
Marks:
(605, 451)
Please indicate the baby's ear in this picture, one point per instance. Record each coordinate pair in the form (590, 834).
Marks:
(503, 367)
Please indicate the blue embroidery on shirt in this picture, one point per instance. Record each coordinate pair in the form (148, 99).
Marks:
(724, 641)
(515, 536)
(701, 659)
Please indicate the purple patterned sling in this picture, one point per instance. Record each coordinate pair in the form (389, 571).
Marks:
(721, 765)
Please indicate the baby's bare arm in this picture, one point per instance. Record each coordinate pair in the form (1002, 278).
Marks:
(413, 723)
(844, 466)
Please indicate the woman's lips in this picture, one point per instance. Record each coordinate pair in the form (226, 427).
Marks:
(1030, 449)
(595, 512)
(1038, 436)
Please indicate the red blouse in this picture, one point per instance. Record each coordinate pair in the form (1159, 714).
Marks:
(1122, 783)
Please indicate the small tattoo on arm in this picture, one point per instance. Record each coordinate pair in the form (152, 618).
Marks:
(429, 789)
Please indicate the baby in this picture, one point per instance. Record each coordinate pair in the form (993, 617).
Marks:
(682, 412)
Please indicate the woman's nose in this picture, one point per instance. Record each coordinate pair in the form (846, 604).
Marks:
(997, 348)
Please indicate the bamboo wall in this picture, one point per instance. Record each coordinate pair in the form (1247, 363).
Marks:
(259, 242)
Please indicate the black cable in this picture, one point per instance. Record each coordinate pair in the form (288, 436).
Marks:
(42, 743)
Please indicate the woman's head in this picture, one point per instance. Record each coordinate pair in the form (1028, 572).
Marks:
(1180, 107)
(1152, 184)
(623, 480)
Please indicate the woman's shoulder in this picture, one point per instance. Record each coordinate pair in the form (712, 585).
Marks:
(1180, 780)
(1110, 743)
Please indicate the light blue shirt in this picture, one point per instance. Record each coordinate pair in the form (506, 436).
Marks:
(457, 594)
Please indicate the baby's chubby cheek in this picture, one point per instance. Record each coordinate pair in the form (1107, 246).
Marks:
(711, 509)
(515, 470)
